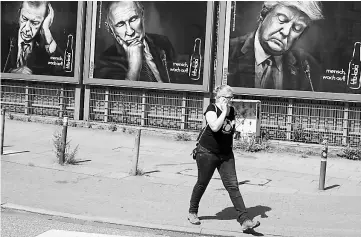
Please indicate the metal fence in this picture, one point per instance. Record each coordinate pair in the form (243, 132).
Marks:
(33, 98)
(162, 109)
(305, 121)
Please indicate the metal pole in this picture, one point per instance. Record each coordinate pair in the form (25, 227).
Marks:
(2, 130)
(136, 152)
(324, 152)
(63, 140)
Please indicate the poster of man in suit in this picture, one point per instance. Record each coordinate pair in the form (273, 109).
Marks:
(295, 45)
(37, 37)
(149, 41)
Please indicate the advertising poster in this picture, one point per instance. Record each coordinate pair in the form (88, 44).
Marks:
(158, 42)
(301, 46)
(38, 38)
(247, 117)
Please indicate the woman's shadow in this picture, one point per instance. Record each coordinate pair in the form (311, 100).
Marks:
(230, 213)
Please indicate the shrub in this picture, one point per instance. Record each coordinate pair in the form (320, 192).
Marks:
(69, 154)
(250, 144)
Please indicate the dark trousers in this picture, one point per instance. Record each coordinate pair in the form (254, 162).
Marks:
(207, 162)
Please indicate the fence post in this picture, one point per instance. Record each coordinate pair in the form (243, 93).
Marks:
(321, 185)
(2, 130)
(345, 124)
(136, 152)
(106, 106)
(184, 113)
(63, 140)
(289, 120)
(144, 114)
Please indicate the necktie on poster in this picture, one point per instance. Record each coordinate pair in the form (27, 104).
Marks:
(266, 79)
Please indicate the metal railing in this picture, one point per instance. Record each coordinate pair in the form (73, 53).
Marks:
(33, 98)
(161, 109)
(296, 120)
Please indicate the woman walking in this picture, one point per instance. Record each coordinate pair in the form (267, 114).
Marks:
(215, 151)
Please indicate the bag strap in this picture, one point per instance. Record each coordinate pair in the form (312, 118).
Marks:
(200, 136)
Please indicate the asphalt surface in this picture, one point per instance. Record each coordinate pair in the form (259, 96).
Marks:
(25, 224)
(280, 190)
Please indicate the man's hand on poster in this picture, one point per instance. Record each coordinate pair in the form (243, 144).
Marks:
(22, 70)
(50, 42)
(134, 52)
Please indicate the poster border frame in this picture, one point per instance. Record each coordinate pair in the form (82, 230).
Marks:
(207, 69)
(294, 94)
(77, 56)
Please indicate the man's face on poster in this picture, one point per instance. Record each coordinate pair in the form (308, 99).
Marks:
(281, 28)
(126, 22)
(31, 19)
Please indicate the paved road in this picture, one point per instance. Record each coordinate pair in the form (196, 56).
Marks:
(279, 189)
(25, 224)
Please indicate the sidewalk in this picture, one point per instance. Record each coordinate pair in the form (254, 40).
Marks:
(281, 190)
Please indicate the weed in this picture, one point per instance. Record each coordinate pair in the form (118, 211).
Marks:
(299, 134)
(139, 172)
(351, 153)
(112, 127)
(58, 122)
(183, 137)
(73, 124)
(11, 116)
(310, 153)
(31, 164)
(69, 154)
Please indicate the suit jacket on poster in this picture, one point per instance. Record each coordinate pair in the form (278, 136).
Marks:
(241, 66)
(37, 60)
(113, 63)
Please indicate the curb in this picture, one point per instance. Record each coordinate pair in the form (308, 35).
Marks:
(195, 230)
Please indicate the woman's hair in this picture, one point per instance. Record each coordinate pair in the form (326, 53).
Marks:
(222, 88)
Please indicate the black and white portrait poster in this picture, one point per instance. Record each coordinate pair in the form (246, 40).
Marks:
(38, 38)
(152, 41)
(288, 45)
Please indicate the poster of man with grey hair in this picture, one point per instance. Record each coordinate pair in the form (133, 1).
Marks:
(159, 42)
(38, 37)
(295, 45)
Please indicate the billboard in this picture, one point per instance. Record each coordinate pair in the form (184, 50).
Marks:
(306, 49)
(150, 44)
(41, 40)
